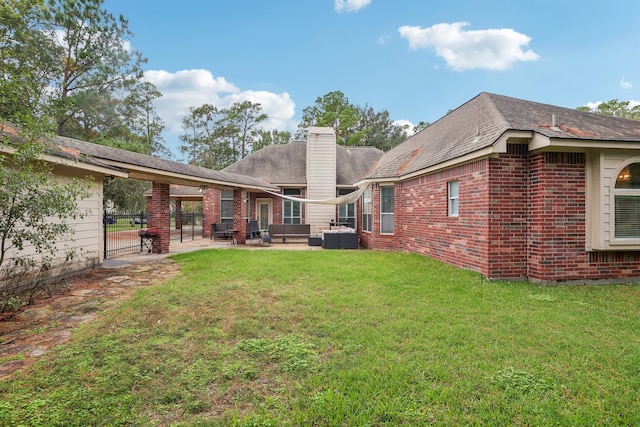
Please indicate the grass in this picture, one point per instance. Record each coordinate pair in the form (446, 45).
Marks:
(341, 338)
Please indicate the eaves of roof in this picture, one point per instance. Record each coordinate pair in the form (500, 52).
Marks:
(150, 168)
(482, 126)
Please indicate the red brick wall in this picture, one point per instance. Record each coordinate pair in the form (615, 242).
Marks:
(423, 224)
(508, 213)
(240, 215)
(159, 214)
(210, 208)
(557, 226)
(521, 215)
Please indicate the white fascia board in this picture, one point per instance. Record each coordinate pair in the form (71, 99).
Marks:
(539, 142)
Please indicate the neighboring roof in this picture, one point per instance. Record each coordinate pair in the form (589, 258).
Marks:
(286, 164)
(482, 121)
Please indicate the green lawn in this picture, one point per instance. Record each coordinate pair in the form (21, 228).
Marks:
(342, 338)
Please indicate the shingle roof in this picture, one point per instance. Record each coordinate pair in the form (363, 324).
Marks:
(286, 164)
(480, 122)
(140, 166)
(125, 157)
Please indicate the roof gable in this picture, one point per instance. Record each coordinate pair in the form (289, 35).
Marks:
(286, 164)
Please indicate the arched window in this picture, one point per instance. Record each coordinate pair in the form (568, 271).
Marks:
(627, 203)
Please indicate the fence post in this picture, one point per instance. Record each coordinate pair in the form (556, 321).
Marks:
(193, 225)
(104, 233)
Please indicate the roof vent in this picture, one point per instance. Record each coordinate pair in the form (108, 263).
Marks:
(477, 137)
(554, 124)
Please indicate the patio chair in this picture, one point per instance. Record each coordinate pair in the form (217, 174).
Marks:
(254, 231)
(220, 230)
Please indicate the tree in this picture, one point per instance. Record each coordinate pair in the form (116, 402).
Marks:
(96, 61)
(333, 110)
(218, 137)
(615, 108)
(272, 137)
(141, 120)
(205, 140)
(35, 208)
(29, 58)
(354, 125)
(421, 126)
(379, 131)
(241, 126)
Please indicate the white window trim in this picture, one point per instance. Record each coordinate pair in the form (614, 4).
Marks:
(450, 199)
(300, 206)
(227, 199)
(613, 240)
(368, 192)
(392, 213)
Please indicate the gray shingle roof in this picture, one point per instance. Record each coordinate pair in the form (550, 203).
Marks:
(286, 164)
(125, 157)
(480, 122)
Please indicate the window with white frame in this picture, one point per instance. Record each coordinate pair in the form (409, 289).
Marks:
(347, 211)
(291, 210)
(452, 191)
(627, 203)
(386, 209)
(226, 206)
(367, 207)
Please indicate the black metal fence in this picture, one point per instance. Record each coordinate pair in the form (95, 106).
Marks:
(121, 230)
(191, 226)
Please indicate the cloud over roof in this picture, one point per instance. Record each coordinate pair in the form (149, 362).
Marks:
(493, 49)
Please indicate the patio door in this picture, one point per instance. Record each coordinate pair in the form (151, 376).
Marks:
(264, 213)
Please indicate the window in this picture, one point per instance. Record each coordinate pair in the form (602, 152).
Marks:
(291, 210)
(226, 206)
(367, 203)
(453, 197)
(347, 212)
(386, 209)
(627, 203)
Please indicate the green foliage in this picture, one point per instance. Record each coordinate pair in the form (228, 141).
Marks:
(218, 137)
(29, 58)
(326, 338)
(35, 208)
(265, 138)
(354, 125)
(68, 59)
(615, 108)
(96, 58)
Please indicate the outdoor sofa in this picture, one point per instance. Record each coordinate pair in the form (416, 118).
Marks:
(277, 231)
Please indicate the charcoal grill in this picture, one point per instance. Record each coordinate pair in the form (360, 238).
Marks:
(148, 238)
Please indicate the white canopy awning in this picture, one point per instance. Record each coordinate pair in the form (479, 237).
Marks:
(341, 200)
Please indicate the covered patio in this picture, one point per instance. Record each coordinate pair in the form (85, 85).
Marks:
(163, 174)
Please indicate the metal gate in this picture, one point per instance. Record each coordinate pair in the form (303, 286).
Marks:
(191, 226)
(121, 236)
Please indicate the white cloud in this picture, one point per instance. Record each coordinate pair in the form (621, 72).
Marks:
(493, 49)
(349, 5)
(192, 88)
(402, 123)
(625, 84)
(593, 106)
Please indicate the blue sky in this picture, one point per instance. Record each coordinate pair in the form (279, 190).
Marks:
(416, 59)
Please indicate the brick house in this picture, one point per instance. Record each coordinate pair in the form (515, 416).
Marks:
(513, 189)
(317, 169)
